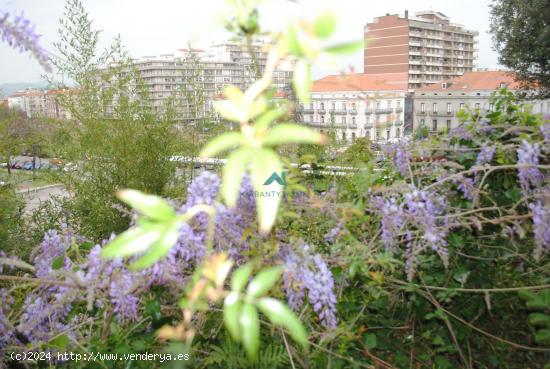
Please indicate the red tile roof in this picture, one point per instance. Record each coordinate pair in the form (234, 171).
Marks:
(478, 80)
(354, 82)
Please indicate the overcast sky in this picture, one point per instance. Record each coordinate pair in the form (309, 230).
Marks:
(160, 26)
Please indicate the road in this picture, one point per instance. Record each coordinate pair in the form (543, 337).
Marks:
(35, 197)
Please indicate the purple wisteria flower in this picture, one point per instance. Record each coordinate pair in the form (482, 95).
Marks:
(306, 271)
(486, 154)
(460, 132)
(332, 235)
(545, 129)
(19, 33)
(529, 176)
(467, 186)
(419, 211)
(391, 220)
(541, 224)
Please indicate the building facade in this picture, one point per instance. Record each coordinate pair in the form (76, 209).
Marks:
(187, 71)
(357, 105)
(436, 106)
(418, 51)
(39, 103)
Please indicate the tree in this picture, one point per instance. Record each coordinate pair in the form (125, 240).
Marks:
(12, 132)
(521, 34)
(117, 139)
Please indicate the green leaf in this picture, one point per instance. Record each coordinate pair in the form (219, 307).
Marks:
(58, 262)
(301, 80)
(61, 341)
(325, 24)
(233, 172)
(264, 163)
(371, 341)
(231, 311)
(264, 120)
(240, 277)
(539, 319)
(221, 143)
(160, 248)
(230, 111)
(133, 241)
(345, 48)
(151, 206)
(543, 337)
(285, 133)
(294, 46)
(250, 329)
(264, 281)
(280, 314)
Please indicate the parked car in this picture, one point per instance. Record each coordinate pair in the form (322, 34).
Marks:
(17, 165)
(27, 165)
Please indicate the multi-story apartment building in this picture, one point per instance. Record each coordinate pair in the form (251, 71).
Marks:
(435, 106)
(190, 71)
(418, 51)
(39, 103)
(357, 105)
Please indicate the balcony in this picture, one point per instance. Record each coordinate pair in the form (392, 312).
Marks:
(442, 114)
(339, 111)
(307, 110)
(421, 113)
(398, 110)
(353, 111)
(384, 111)
(398, 123)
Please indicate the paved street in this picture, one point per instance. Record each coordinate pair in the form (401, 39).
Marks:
(35, 197)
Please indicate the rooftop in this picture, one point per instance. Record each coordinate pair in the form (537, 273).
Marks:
(477, 80)
(353, 82)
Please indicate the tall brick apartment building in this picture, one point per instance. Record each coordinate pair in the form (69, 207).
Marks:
(424, 50)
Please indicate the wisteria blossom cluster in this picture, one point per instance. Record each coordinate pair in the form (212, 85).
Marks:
(417, 218)
(305, 271)
(19, 33)
(541, 223)
(99, 284)
(529, 176)
(106, 284)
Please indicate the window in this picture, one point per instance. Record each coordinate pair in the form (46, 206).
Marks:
(449, 108)
(491, 107)
(387, 134)
(422, 123)
(322, 119)
(353, 136)
(322, 106)
(398, 103)
(353, 121)
(377, 134)
(389, 104)
(434, 125)
(353, 106)
(448, 124)
(435, 107)
(343, 136)
(461, 106)
(343, 105)
(477, 106)
(397, 132)
(422, 107)
(378, 105)
(333, 106)
(344, 119)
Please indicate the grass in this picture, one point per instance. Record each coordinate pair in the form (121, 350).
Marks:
(23, 179)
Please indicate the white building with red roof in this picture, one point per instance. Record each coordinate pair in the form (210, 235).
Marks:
(359, 105)
(436, 105)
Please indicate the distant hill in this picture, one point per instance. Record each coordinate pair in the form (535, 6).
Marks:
(7, 89)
